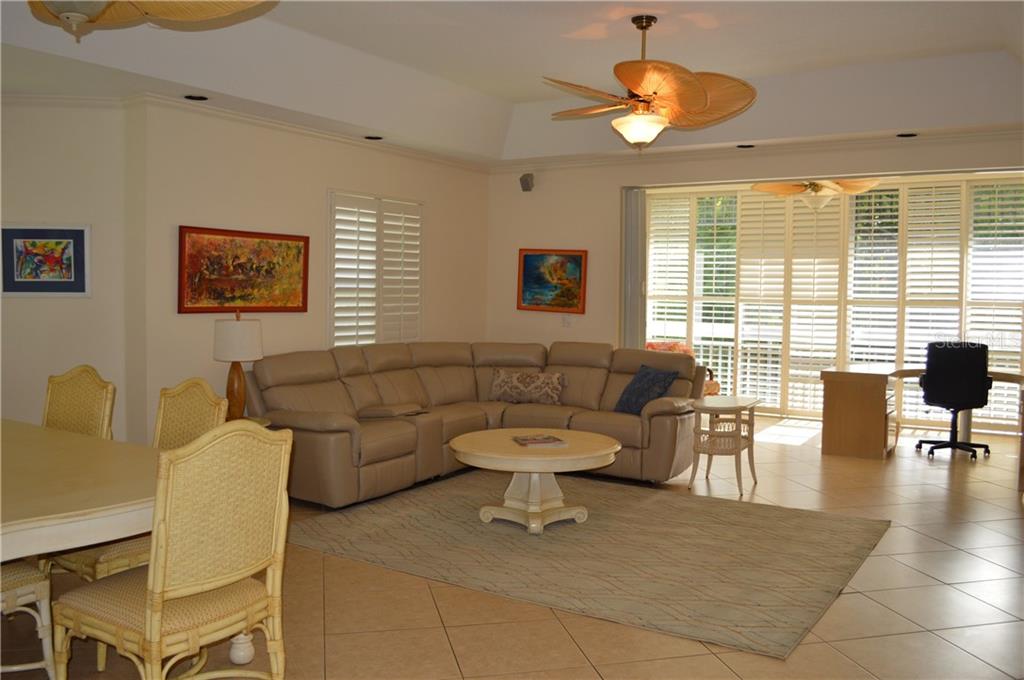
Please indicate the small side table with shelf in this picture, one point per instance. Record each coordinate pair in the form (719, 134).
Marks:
(724, 426)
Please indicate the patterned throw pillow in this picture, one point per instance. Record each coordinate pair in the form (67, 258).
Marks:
(647, 384)
(520, 387)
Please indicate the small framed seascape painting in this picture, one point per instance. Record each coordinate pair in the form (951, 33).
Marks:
(221, 270)
(45, 260)
(552, 281)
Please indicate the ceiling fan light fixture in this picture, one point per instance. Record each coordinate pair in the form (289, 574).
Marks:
(639, 128)
(74, 14)
(818, 200)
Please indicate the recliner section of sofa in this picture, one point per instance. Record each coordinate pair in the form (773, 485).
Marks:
(374, 419)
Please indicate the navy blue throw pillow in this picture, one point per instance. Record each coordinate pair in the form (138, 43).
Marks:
(648, 383)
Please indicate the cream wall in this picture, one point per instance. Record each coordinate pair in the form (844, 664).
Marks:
(200, 168)
(64, 165)
(578, 205)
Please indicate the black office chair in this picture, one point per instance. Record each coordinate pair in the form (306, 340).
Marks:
(955, 378)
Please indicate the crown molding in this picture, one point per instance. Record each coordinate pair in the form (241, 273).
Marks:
(150, 99)
(1009, 134)
(273, 124)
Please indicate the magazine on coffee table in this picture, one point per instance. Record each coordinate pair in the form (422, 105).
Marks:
(539, 440)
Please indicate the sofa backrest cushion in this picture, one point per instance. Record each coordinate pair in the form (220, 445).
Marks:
(301, 381)
(392, 371)
(584, 366)
(446, 371)
(529, 357)
(294, 368)
(354, 374)
(626, 362)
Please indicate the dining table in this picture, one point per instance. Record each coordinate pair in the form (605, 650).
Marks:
(63, 490)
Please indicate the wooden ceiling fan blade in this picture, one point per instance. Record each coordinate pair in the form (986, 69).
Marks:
(204, 10)
(588, 92)
(670, 85)
(728, 97)
(587, 111)
(780, 188)
(855, 186)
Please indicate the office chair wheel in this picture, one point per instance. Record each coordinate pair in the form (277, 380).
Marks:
(987, 452)
(974, 455)
(918, 447)
(931, 452)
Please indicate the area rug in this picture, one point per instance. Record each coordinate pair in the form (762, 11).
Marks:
(748, 576)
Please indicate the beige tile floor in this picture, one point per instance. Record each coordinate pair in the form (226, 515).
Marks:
(941, 597)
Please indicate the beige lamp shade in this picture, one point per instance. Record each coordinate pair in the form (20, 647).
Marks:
(237, 340)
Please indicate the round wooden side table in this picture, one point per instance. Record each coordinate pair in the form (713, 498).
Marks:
(724, 426)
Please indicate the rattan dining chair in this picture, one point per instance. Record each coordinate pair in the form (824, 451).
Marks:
(80, 401)
(186, 412)
(26, 589)
(220, 518)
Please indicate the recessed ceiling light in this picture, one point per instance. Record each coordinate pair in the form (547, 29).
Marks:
(744, 146)
(907, 134)
(196, 97)
(373, 138)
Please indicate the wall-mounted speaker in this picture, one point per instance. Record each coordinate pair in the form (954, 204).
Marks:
(526, 181)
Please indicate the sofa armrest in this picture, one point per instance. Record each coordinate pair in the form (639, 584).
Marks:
(315, 421)
(673, 406)
(390, 410)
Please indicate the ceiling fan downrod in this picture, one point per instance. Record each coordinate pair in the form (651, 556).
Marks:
(642, 23)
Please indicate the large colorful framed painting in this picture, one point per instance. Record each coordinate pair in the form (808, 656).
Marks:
(45, 260)
(221, 270)
(552, 281)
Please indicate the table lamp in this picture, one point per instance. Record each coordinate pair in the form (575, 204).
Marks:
(236, 341)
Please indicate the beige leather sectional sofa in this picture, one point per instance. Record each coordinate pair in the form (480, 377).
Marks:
(374, 419)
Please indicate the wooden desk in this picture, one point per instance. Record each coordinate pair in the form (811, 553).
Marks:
(852, 419)
(859, 412)
(63, 490)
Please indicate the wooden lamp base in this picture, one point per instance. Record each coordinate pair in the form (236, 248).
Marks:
(235, 391)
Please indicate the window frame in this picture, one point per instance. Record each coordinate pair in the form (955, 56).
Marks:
(903, 306)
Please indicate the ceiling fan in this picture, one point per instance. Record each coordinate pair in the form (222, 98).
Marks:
(661, 94)
(816, 193)
(73, 16)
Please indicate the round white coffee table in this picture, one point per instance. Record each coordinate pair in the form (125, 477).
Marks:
(533, 498)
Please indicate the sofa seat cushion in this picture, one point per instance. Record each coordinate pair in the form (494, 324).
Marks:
(459, 419)
(624, 427)
(492, 409)
(538, 415)
(382, 440)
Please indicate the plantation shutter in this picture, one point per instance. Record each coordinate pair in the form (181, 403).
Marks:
(714, 282)
(399, 251)
(995, 297)
(874, 275)
(355, 270)
(816, 247)
(668, 263)
(376, 282)
(762, 277)
(933, 242)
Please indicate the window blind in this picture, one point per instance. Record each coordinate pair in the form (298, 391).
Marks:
(761, 253)
(668, 264)
(376, 283)
(816, 251)
(995, 299)
(869, 278)
(714, 323)
(933, 228)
